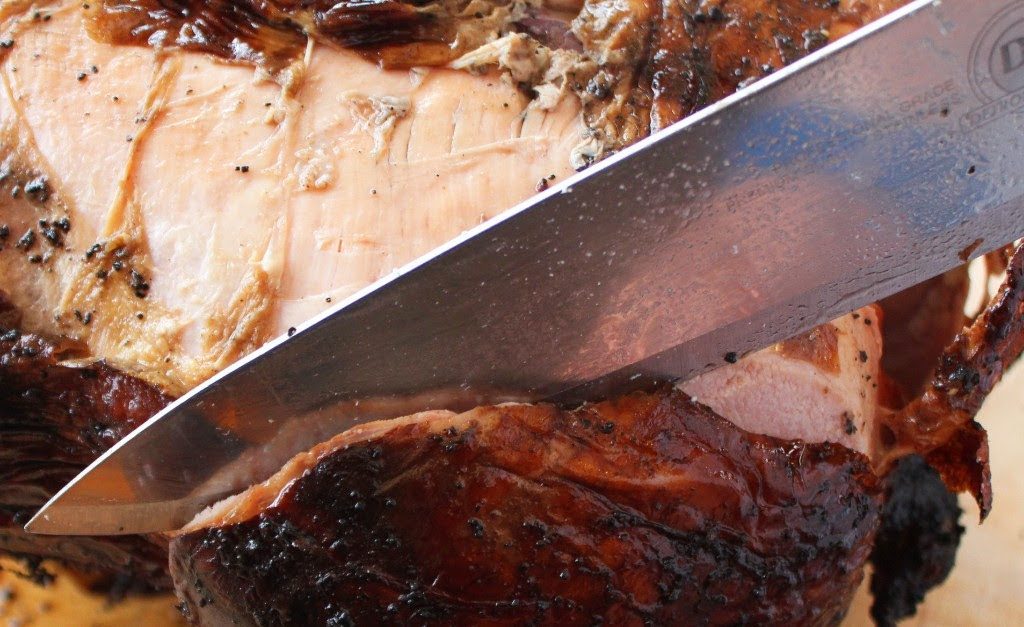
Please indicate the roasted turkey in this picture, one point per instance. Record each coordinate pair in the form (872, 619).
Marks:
(181, 181)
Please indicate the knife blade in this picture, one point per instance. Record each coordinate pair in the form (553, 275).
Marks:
(884, 159)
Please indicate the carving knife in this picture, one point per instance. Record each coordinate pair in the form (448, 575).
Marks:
(883, 159)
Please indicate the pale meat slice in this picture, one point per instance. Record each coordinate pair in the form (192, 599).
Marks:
(823, 386)
(244, 208)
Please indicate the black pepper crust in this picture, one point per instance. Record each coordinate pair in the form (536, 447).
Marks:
(700, 51)
(647, 509)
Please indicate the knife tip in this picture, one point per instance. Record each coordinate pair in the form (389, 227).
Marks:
(41, 523)
(60, 521)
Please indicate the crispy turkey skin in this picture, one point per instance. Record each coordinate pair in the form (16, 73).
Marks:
(646, 509)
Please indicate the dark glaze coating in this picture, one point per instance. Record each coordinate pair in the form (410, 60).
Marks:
(270, 33)
(702, 51)
(940, 423)
(203, 26)
(691, 53)
(647, 509)
(54, 420)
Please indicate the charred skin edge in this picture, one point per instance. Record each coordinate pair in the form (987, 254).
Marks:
(54, 420)
(940, 423)
(701, 52)
(916, 545)
(646, 508)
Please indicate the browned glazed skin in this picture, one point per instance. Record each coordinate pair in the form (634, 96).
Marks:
(649, 508)
(201, 26)
(273, 32)
(703, 50)
(54, 420)
(940, 423)
(333, 525)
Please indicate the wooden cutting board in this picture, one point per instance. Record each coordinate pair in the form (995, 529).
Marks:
(985, 588)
